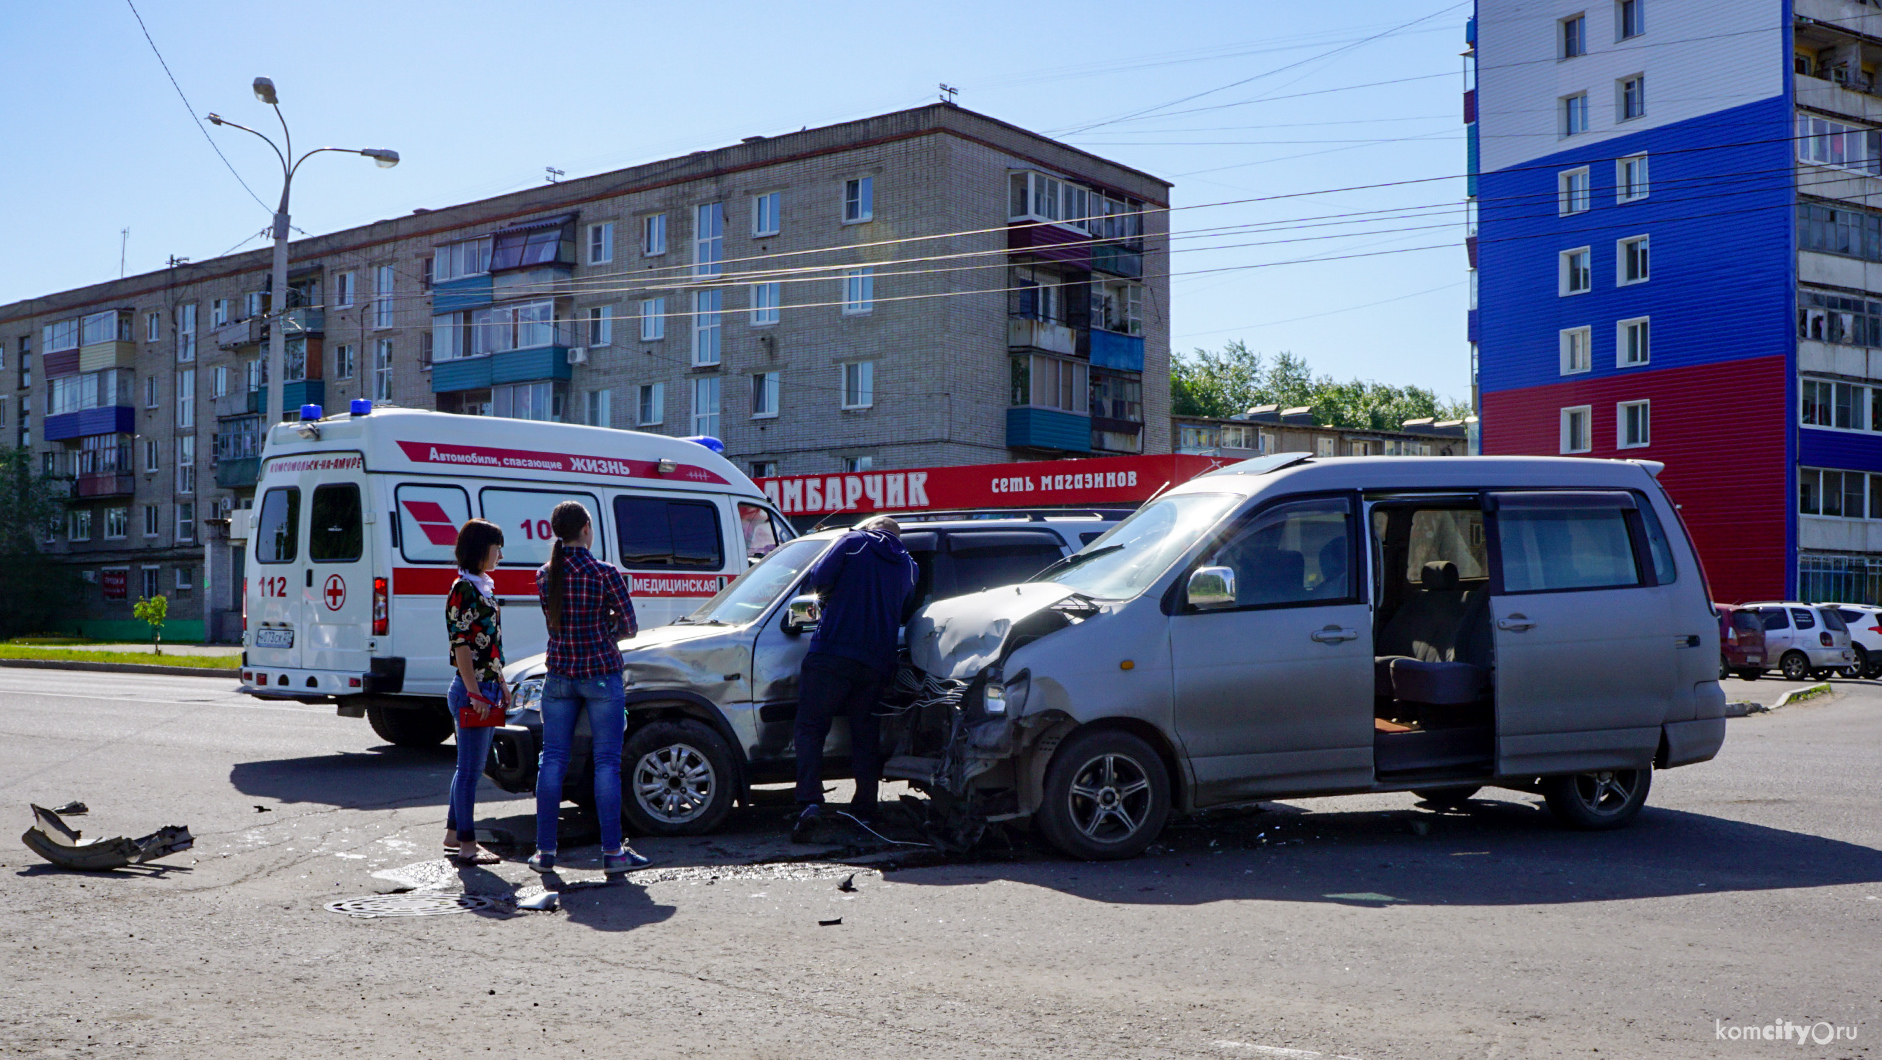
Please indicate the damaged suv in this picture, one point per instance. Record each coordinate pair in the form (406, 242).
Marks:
(1292, 626)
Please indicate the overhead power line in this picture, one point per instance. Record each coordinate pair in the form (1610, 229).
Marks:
(192, 110)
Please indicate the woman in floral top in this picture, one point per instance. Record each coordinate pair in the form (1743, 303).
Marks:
(471, 618)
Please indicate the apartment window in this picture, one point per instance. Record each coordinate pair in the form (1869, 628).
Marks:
(653, 319)
(382, 370)
(471, 257)
(150, 391)
(1575, 114)
(153, 327)
(1630, 178)
(859, 291)
(1841, 144)
(1576, 346)
(343, 287)
(1574, 38)
(706, 306)
(150, 456)
(343, 359)
(186, 520)
(148, 581)
(185, 333)
(764, 395)
(1630, 19)
(117, 523)
(1632, 97)
(186, 398)
(856, 465)
(219, 312)
(651, 408)
(708, 239)
(382, 297)
(186, 464)
(527, 401)
(513, 327)
(600, 325)
(1633, 343)
(601, 243)
(1572, 193)
(78, 525)
(653, 235)
(706, 405)
(1838, 318)
(1843, 494)
(219, 381)
(1835, 228)
(153, 520)
(1574, 273)
(859, 200)
(1630, 260)
(183, 579)
(764, 469)
(1048, 382)
(765, 299)
(1841, 406)
(600, 408)
(1632, 424)
(1575, 429)
(859, 384)
(253, 304)
(764, 214)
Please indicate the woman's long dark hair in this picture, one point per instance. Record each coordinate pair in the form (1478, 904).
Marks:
(565, 522)
(474, 539)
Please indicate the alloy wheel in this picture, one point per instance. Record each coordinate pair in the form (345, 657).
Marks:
(1606, 792)
(674, 783)
(1110, 798)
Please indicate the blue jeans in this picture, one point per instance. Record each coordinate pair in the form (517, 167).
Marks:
(473, 749)
(564, 699)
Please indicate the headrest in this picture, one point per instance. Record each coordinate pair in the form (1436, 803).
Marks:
(1439, 574)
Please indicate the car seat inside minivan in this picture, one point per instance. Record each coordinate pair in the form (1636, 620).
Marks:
(1433, 667)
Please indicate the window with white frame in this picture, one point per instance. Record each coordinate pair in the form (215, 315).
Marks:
(1827, 142)
(1839, 406)
(1839, 494)
(859, 199)
(653, 235)
(764, 468)
(600, 325)
(856, 465)
(706, 405)
(117, 523)
(1574, 274)
(764, 395)
(601, 243)
(1633, 342)
(343, 285)
(382, 370)
(382, 315)
(1630, 18)
(151, 450)
(527, 401)
(651, 405)
(219, 381)
(1051, 382)
(153, 520)
(252, 304)
(147, 581)
(1630, 178)
(765, 220)
(653, 319)
(150, 391)
(1630, 261)
(1572, 192)
(343, 361)
(1573, 39)
(1038, 197)
(219, 312)
(78, 524)
(186, 520)
(859, 291)
(530, 325)
(153, 327)
(765, 299)
(62, 335)
(1633, 428)
(186, 398)
(859, 384)
(708, 239)
(1630, 97)
(186, 333)
(452, 261)
(600, 408)
(1574, 114)
(184, 579)
(706, 310)
(1576, 429)
(1577, 355)
(186, 464)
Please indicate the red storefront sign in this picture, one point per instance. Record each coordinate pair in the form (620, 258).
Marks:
(1045, 483)
(115, 582)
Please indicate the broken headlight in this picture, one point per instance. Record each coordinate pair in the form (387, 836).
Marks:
(1000, 698)
(526, 695)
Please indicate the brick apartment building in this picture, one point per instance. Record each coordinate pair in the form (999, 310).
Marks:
(927, 287)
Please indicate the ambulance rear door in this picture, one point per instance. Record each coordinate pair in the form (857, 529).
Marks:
(338, 583)
(275, 609)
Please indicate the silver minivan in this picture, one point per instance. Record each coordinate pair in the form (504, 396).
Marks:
(1804, 640)
(1291, 626)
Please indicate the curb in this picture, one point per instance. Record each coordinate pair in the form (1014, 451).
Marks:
(1798, 694)
(123, 668)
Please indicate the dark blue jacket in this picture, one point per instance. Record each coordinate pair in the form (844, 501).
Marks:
(864, 581)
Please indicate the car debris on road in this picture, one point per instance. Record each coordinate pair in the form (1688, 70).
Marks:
(51, 838)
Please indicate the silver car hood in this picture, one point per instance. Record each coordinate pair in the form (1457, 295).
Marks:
(957, 638)
(656, 639)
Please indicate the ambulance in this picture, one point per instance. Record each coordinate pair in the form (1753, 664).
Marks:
(349, 552)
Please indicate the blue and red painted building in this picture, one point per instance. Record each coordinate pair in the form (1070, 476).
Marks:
(1677, 257)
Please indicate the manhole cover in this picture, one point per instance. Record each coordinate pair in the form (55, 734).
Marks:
(378, 905)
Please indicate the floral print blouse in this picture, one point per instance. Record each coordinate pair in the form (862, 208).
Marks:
(471, 619)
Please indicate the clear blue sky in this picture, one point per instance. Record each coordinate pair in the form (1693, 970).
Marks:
(478, 97)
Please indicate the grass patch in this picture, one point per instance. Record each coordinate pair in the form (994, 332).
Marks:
(200, 662)
(49, 640)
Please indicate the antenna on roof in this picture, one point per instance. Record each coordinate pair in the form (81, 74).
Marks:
(554, 174)
(948, 92)
(124, 241)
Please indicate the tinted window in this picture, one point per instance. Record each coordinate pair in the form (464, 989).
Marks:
(429, 517)
(658, 532)
(333, 530)
(278, 530)
(1746, 622)
(1550, 549)
(1832, 620)
(1850, 616)
(1290, 553)
(1658, 546)
(1803, 618)
(1774, 618)
(986, 560)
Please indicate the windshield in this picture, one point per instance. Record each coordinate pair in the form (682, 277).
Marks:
(749, 594)
(1133, 553)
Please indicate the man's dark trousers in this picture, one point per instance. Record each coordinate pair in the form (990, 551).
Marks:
(829, 685)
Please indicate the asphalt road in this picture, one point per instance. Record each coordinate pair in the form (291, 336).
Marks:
(1748, 893)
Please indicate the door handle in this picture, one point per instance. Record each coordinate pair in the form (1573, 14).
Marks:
(1515, 623)
(1334, 635)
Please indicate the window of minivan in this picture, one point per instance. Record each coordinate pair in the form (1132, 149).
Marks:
(1548, 549)
(663, 532)
(1774, 618)
(1832, 620)
(278, 529)
(1803, 618)
(1134, 553)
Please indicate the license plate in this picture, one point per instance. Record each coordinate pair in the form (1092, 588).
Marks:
(274, 638)
(1754, 658)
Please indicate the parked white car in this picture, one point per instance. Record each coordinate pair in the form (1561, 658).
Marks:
(1804, 640)
(1865, 636)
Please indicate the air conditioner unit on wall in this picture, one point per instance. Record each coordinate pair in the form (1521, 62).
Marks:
(578, 355)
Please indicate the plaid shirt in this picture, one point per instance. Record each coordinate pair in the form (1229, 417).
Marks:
(595, 611)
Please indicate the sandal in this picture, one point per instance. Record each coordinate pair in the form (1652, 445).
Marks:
(482, 857)
(450, 850)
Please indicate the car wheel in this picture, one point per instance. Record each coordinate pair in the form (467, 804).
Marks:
(1749, 674)
(1107, 795)
(676, 779)
(1449, 798)
(410, 726)
(1795, 666)
(1725, 669)
(1594, 802)
(1861, 666)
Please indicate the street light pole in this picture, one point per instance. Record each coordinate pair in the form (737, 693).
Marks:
(272, 411)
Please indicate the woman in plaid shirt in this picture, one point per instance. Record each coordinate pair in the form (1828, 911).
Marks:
(586, 605)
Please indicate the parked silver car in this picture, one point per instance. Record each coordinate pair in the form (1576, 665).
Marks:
(1802, 640)
(1292, 626)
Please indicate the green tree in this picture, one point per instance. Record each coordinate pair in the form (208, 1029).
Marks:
(33, 591)
(1235, 379)
(153, 610)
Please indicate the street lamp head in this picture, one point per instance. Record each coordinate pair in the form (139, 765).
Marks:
(264, 91)
(385, 158)
(214, 118)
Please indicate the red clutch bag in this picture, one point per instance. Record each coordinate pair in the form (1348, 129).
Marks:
(470, 717)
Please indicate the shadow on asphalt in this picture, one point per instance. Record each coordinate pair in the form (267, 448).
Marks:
(381, 776)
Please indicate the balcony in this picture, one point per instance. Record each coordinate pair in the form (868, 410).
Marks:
(302, 392)
(1026, 333)
(112, 419)
(99, 484)
(101, 355)
(239, 333)
(510, 366)
(1111, 349)
(1052, 243)
(1054, 429)
(453, 296)
(240, 473)
(308, 320)
(1117, 260)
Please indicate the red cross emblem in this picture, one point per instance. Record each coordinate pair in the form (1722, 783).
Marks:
(335, 592)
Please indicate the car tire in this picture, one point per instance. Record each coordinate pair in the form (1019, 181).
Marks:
(1448, 798)
(677, 778)
(1596, 802)
(1862, 664)
(1795, 666)
(1749, 674)
(1725, 669)
(410, 726)
(1107, 796)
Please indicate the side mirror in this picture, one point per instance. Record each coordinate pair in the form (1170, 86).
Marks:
(1211, 587)
(801, 615)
